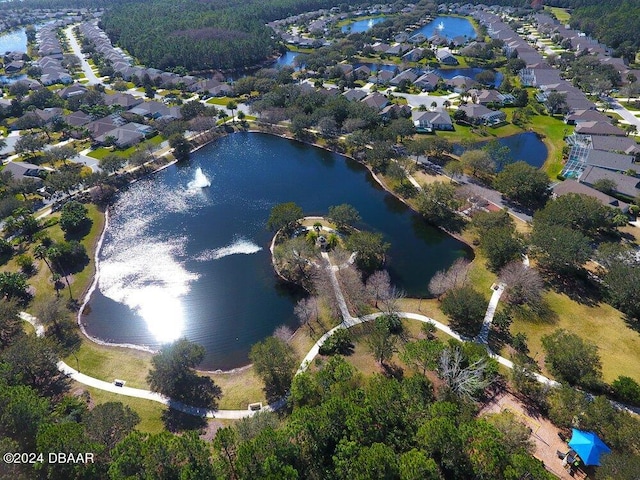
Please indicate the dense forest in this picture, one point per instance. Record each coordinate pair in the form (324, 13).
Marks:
(200, 35)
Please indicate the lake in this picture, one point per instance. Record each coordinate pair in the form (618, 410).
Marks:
(447, 26)
(14, 40)
(525, 146)
(363, 25)
(179, 259)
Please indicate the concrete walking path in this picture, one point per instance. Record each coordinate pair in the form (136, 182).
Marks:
(483, 336)
(138, 392)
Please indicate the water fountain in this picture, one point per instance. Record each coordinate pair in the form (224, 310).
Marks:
(370, 23)
(200, 180)
(440, 26)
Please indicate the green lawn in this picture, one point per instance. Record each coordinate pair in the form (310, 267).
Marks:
(150, 412)
(108, 363)
(221, 100)
(560, 13)
(553, 130)
(478, 134)
(618, 345)
(101, 152)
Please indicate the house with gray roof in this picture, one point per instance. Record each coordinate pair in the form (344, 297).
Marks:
(445, 57)
(376, 100)
(571, 186)
(354, 95)
(23, 170)
(615, 162)
(427, 82)
(626, 145)
(427, 122)
(480, 114)
(408, 75)
(599, 128)
(624, 184)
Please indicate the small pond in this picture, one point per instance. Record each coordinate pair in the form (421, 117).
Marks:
(363, 25)
(449, 27)
(525, 146)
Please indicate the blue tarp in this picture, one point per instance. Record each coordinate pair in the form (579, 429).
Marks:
(588, 446)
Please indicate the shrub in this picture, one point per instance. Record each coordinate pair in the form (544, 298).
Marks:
(340, 342)
(626, 389)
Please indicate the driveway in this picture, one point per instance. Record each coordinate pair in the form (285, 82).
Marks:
(11, 142)
(90, 162)
(75, 46)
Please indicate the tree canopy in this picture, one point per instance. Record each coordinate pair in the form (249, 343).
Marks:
(172, 374)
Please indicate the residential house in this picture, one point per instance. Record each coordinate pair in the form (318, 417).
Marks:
(577, 116)
(77, 119)
(624, 184)
(408, 75)
(626, 145)
(72, 91)
(394, 111)
(460, 83)
(615, 162)
(599, 128)
(445, 57)
(124, 100)
(354, 95)
(427, 122)
(480, 114)
(413, 55)
(381, 77)
(362, 72)
(156, 110)
(571, 186)
(427, 82)
(126, 135)
(376, 100)
(23, 170)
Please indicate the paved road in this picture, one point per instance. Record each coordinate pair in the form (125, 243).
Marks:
(624, 113)
(11, 140)
(75, 46)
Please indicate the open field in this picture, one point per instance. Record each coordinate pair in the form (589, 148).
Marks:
(560, 13)
(603, 325)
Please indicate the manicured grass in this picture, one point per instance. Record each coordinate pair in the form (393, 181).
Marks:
(221, 100)
(239, 389)
(629, 106)
(101, 152)
(618, 345)
(560, 13)
(41, 280)
(150, 412)
(474, 134)
(553, 130)
(108, 363)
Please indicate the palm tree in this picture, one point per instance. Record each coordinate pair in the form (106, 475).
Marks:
(41, 254)
(231, 105)
(54, 254)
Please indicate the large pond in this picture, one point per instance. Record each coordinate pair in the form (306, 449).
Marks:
(14, 40)
(449, 27)
(363, 25)
(525, 146)
(179, 259)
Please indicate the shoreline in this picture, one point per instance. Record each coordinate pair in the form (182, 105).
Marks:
(98, 246)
